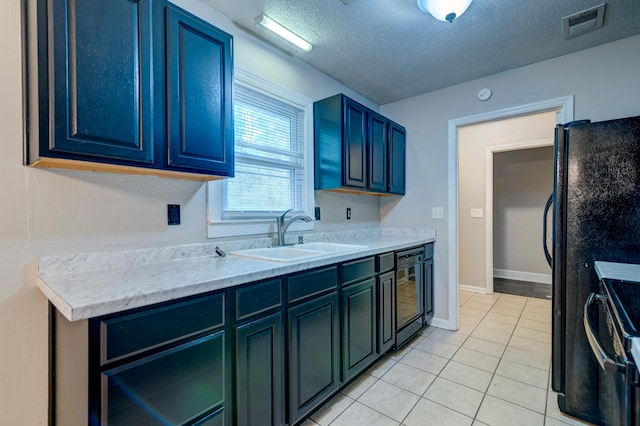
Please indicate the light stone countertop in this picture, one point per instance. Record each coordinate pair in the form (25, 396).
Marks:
(87, 285)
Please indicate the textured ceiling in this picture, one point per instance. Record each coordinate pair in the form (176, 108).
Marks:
(389, 50)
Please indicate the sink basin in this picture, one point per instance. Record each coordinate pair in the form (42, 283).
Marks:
(278, 254)
(330, 247)
(297, 252)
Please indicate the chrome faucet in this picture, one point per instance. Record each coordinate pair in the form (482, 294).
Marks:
(284, 224)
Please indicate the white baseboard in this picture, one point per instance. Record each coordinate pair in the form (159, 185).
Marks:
(522, 276)
(473, 288)
(440, 323)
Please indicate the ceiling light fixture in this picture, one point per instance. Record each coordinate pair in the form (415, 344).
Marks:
(272, 25)
(444, 10)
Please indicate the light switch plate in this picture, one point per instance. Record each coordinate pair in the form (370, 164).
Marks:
(437, 213)
(477, 213)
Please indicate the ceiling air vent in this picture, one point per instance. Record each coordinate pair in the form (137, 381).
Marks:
(582, 22)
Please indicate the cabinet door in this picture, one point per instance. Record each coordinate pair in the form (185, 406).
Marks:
(359, 327)
(377, 152)
(181, 384)
(386, 311)
(397, 159)
(199, 108)
(313, 354)
(355, 145)
(428, 289)
(101, 81)
(260, 372)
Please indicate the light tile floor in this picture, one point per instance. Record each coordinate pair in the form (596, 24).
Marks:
(493, 371)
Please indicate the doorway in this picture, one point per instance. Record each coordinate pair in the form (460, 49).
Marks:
(522, 180)
(564, 108)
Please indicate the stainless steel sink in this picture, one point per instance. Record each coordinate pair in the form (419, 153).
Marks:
(297, 252)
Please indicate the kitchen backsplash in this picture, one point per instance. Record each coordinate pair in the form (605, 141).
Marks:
(86, 262)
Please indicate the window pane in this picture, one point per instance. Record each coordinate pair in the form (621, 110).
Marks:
(263, 189)
(269, 144)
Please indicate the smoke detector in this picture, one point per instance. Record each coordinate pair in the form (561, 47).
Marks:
(584, 21)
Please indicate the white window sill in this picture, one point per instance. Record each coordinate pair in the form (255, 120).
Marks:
(234, 228)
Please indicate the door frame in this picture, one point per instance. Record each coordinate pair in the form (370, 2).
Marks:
(564, 104)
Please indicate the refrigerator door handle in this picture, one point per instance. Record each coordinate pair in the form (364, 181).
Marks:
(544, 230)
(606, 361)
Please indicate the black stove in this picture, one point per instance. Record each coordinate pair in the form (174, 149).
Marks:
(610, 320)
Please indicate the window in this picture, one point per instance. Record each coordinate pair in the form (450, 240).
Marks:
(272, 160)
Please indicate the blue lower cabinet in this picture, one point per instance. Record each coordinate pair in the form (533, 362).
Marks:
(359, 328)
(386, 311)
(314, 354)
(264, 353)
(176, 386)
(259, 377)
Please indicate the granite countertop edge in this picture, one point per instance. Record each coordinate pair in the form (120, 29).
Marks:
(81, 293)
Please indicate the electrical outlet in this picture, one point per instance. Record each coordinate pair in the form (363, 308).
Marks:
(437, 213)
(173, 214)
(348, 213)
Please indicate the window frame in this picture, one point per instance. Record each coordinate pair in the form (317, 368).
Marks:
(218, 227)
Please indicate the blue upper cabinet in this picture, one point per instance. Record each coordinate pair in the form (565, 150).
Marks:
(355, 145)
(199, 94)
(356, 149)
(101, 78)
(397, 158)
(132, 87)
(378, 155)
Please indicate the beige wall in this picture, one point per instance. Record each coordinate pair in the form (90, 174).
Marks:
(55, 212)
(473, 144)
(605, 85)
(522, 182)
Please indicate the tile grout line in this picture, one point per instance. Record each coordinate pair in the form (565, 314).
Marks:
(413, 346)
(544, 415)
(451, 359)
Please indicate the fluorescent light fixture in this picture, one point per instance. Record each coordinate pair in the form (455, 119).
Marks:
(272, 25)
(444, 10)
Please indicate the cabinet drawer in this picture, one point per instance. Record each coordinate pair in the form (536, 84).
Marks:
(386, 262)
(428, 251)
(358, 270)
(257, 298)
(128, 334)
(172, 387)
(310, 283)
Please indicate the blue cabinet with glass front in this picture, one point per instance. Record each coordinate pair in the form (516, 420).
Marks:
(356, 149)
(132, 87)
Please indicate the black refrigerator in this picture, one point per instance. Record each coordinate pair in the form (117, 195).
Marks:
(596, 216)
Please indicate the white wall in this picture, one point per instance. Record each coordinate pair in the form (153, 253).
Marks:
(603, 79)
(473, 142)
(55, 211)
